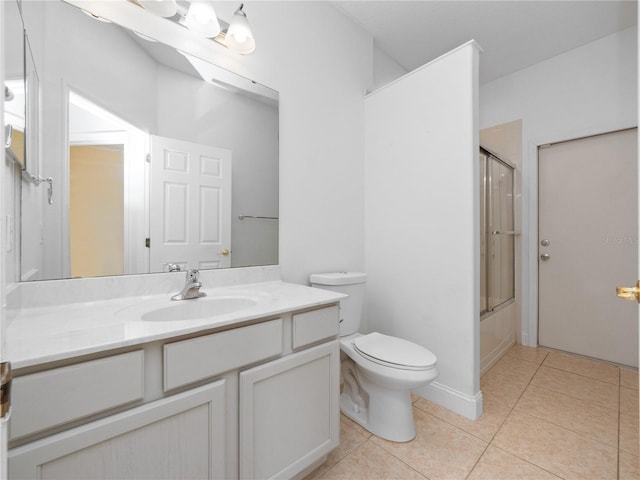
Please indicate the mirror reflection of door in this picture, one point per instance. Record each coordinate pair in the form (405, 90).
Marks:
(109, 216)
(190, 225)
(106, 194)
(96, 210)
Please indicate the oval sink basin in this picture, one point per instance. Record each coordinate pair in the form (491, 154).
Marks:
(198, 308)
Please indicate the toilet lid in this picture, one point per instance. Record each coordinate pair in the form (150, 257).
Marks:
(395, 351)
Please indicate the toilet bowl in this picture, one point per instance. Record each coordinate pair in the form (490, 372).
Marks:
(379, 371)
(377, 392)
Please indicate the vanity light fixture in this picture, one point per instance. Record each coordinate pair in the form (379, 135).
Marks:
(238, 37)
(200, 17)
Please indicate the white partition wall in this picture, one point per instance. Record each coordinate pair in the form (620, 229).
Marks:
(421, 223)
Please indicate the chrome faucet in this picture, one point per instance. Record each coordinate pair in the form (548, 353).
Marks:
(191, 287)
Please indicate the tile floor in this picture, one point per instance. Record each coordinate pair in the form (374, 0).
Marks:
(547, 415)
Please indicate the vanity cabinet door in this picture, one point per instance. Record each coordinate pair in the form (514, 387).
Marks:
(289, 413)
(179, 437)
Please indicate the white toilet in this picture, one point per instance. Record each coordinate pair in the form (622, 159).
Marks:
(379, 371)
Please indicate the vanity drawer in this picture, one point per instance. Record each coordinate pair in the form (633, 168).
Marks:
(47, 399)
(199, 358)
(311, 327)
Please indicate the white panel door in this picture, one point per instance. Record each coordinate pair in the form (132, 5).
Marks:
(588, 244)
(190, 205)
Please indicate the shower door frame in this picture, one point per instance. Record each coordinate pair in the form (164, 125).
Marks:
(487, 221)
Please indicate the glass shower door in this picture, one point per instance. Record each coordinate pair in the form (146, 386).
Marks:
(497, 233)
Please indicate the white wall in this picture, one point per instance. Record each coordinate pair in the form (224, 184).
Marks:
(385, 68)
(588, 90)
(421, 207)
(321, 64)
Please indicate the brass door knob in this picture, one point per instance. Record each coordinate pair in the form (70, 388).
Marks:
(224, 252)
(629, 293)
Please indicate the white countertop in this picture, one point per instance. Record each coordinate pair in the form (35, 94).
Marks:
(47, 334)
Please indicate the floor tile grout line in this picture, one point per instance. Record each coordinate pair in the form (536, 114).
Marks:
(478, 460)
(578, 398)
(530, 462)
(564, 427)
(511, 408)
(398, 458)
(516, 357)
(529, 383)
(342, 459)
(582, 375)
(506, 378)
(461, 428)
(619, 399)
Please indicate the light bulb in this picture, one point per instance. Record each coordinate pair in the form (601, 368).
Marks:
(164, 8)
(239, 37)
(201, 18)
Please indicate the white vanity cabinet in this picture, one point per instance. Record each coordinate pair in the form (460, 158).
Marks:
(289, 413)
(255, 401)
(180, 437)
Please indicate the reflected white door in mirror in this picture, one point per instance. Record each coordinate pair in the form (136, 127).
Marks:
(192, 184)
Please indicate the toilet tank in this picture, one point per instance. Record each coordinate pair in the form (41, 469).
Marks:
(349, 283)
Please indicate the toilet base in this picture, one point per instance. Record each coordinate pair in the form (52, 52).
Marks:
(382, 411)
(395, 425)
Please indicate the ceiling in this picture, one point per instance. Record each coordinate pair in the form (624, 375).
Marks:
(513, 34)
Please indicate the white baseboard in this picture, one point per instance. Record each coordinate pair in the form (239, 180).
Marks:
(458, 402)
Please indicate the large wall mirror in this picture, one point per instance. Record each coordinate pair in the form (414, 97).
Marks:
(158, 159)
(14, 85)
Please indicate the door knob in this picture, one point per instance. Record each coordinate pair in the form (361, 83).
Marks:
(224, 252)
(545, 243)
(629, 293)
(544, 257)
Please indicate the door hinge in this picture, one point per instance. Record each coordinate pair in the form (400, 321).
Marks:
(147, 242)
(5, 389)
(148, 158)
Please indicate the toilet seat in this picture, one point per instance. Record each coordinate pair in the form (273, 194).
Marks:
(394, 352)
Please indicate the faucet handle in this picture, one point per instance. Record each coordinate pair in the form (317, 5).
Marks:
(192, 275)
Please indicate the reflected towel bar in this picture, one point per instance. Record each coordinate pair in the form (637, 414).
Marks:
(242, 217)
